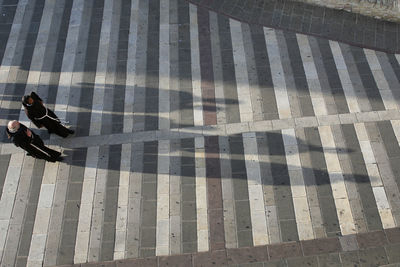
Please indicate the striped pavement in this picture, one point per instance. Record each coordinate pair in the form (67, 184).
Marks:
(194, 132)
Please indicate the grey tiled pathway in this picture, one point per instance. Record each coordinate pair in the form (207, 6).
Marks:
(194, 132)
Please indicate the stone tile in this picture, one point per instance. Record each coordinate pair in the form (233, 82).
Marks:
(373, 257)
(306, 122)
(331, 260)
(393, 253)
(303, 261)
(248, 255)
(348, 242)
(372, 239)
(213, 258)
(320, 246)
(350, 259)
(176, 260)
(284, 250)
(393, 235)
(147, 262)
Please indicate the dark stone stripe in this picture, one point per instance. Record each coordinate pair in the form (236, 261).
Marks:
(6, 20)
(395, 65)
(111, 203)
(228, 71)
(16, 88)
(240, 192)
(206, 66)
(188, 185)
(149, 200)
(282, 190)
(214, 194)
(120, 76)
(333, 76)
(4, 161)
(299, 75)
(264, 76)
(185, 66)
(90, 65)
(360, 177)
(65, 253)
(111, 55)
(174, 64)
(392, 148)
(322, 182)
(152, 68)
(30, 213)
(367, 79)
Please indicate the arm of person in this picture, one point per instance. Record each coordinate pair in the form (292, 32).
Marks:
(36, 122)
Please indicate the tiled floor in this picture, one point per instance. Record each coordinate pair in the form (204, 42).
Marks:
(196, 134)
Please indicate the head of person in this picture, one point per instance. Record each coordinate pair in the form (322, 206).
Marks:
(13, 126)
(27, 100)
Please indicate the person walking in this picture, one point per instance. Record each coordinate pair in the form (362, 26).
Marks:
(41, 116)
(22, 137)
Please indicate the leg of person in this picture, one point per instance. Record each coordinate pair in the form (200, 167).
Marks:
(51, 155)
(62, 131)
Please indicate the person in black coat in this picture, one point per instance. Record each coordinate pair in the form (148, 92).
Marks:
(42, 116)
(24, 138)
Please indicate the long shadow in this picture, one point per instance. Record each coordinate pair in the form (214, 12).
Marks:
(77, 157)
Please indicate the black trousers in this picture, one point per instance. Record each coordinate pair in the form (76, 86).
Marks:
(37, 149)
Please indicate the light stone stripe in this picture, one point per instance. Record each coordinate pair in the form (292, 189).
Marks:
(39, 53)
(242, 78)
(278, 77)
(310, 70)
(230, 228)
(375, 177)
(297, 186)
(201, 196)
(195, 60)
(134, 203)
(18, 214)
(350, 181)
(57, 215)
(163, 227)
(43, 213)
(256, 196)
(131, 67)
(380, 79)
(6, 67)
(97, 223)
(85, 210)
(101, 69)
(339, 190)
(70, 53)
(8, 196)
(217, 69)
(175, 197)
(123, 200)
(164, 67)
(344, 76)
(310, 181)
